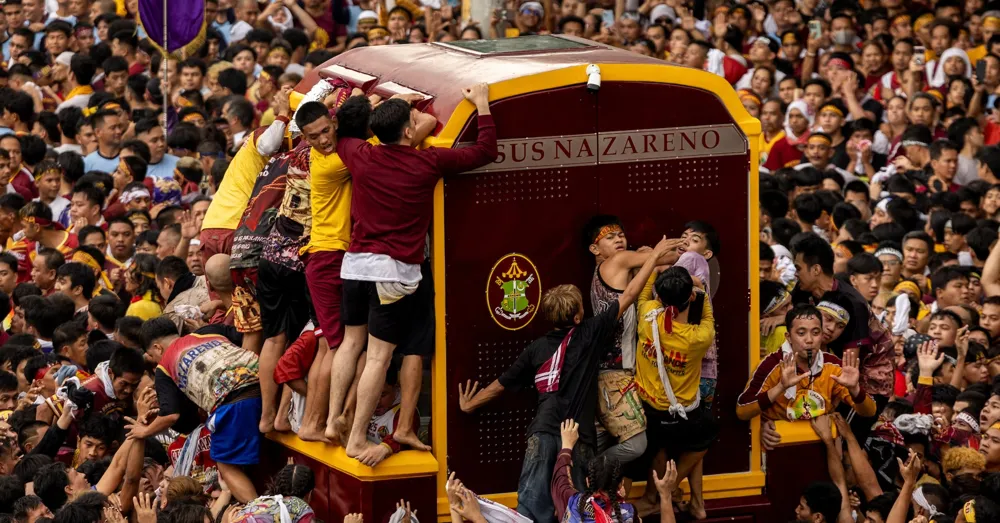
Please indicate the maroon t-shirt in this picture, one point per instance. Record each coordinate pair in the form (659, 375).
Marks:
(393, 189)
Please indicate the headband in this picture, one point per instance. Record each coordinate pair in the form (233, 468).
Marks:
(132, 269)
(89, 261)
(840, 314)
(130, 195)
(377, 32)
(922, 21)
(606, 230)
(40, 373)
(778, 301)
(819, 138)
(832, 108)
(843, 250)
(908, 287)
(43, 222)
(890, 251)
(839, 62)
(789, 38)
(908, 143)
(184, 102)
(264, 76)
(55, 169)
(123, 167)
(969, 511)
(921, 500)
(992, 21)
(191, 117)
(937, 95)
(969, 420)
(901, 19)
(746, 94)
(111, 107)
(139, 218)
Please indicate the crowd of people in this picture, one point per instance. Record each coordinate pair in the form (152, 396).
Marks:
(189, 264)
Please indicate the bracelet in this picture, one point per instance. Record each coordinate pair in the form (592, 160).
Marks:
(811, 55)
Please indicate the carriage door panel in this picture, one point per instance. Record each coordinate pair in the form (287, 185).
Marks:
(678, 158)
(534, 202)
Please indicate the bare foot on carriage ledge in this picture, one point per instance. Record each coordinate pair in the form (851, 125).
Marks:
(281, 424)
(410, 439)
(266, 425)
(356, 448)
(312, 434)
(337, 432)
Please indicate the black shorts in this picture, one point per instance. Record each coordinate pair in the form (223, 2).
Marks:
(407, 323)
(678, 435)
(285, 306)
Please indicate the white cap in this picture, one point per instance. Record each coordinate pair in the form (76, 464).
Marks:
(367, 15)
(239, 31)
(65, 58)
(660, 11)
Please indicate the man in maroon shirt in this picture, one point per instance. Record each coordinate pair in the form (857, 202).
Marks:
(387, 294)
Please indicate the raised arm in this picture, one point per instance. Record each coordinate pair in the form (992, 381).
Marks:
(863, 472)
(630, 260)
(562, 488)
(635, 286)
(133, 473)
(471, 398)
(454, 161)
(309, 25)
(991, 273)
(116, 471)
(910, 471)
(269, 142)
(834, 465)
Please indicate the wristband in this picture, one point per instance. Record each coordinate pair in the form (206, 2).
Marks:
(925, 380)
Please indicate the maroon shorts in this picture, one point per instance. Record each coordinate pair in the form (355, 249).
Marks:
(295, 362)
(215, 241)
(326, 289)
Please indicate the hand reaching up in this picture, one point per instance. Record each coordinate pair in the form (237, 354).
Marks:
(570, 431)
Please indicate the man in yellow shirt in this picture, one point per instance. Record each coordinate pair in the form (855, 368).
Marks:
(675, 331)
(329, 205)
(230, 200)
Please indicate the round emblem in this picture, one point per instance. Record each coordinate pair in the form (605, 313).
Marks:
(513, 291)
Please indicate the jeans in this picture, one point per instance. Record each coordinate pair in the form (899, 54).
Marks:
(534, 490)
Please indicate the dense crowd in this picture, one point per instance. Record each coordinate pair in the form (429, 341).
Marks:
(190, 263)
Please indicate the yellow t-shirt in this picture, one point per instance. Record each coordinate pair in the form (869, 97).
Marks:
(976, 54)
(765, 146)
(267, 118)
(772, 343)
(683, 350)
(234, 192)
(145, 309)
(331, 203)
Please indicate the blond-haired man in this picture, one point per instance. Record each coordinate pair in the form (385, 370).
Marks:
(562, 366)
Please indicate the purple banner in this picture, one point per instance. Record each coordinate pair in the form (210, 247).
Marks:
(185, 21)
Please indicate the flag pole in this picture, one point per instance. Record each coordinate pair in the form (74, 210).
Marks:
(166, 70)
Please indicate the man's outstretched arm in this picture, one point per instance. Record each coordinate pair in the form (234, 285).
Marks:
(454, 161)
